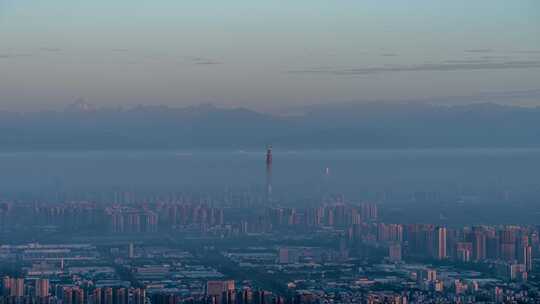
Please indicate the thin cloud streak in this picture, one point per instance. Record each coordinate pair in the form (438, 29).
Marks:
(50, 49)
(204, 61)
(208, 62)
(479, 51)
(428, 67)
(529, 52)
(9, 56)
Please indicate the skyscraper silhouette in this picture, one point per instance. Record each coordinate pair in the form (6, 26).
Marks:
(268, 173)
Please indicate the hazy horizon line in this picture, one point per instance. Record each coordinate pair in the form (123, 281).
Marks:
(495, 98)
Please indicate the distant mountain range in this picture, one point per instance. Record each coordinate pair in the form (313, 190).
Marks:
(341, 126)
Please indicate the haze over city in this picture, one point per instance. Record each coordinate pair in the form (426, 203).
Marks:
(269, 152)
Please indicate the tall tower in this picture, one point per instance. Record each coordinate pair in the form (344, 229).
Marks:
(268, 173)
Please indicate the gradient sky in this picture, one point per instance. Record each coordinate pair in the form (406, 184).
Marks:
(266, 54)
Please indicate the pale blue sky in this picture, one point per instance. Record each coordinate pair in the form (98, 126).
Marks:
(265, 54)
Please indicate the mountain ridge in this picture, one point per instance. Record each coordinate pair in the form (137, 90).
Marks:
(350, 125)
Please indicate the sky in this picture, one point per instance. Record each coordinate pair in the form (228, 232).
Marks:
(267, 54)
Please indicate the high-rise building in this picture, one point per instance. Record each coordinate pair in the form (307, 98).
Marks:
(394, 252)
(479, 246)
(441, 243)
(97, 296)
(120, 296)
(67, 295)
(108, 296)
(131, 251)
(464, 251)
(508, 244)
(508, 251)
(217, 289)
(13, 287)
(78, 296)
(42, 288)
(17, 287)
(493, 247)
(138, 296)
(6, 286)
(389, 232)
(368, 211)
(528, 261)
